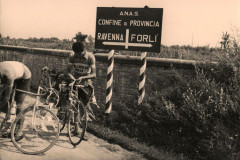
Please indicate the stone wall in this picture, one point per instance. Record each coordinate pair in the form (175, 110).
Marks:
(159, 72)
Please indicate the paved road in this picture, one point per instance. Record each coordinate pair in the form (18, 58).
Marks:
(93, 149)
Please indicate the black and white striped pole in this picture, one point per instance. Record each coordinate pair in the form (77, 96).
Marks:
(142, 75)
(109, 82)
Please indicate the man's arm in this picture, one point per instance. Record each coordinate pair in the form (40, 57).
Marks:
(92, 75)
(71, 76)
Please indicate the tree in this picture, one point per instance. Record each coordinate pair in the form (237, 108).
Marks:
(1, 38)
(225, 41)
(80, 37)
(90, 39)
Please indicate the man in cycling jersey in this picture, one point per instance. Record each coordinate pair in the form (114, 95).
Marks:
(83, 68)
(13, 73)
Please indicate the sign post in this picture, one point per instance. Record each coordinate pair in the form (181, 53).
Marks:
(109, 82)
(142, 79)
(132, 29)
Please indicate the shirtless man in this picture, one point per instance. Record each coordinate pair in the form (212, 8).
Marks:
(13, 73)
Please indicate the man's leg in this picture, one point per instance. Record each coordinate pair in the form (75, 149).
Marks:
(83, 96)
(4, 125)
(20, 97)
(4, 108)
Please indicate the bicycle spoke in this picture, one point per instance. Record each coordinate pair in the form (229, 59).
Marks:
(38, 135)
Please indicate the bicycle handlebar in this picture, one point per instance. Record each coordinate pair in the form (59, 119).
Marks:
(77, 85)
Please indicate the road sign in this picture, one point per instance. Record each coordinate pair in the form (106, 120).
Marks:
(133, 29)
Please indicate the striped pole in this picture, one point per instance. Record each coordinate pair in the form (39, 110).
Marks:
(142, 75)
(109, 82)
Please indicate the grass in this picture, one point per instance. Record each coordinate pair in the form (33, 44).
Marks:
(131, 144)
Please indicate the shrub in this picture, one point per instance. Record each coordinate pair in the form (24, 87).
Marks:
(210, 117)
(200, 119)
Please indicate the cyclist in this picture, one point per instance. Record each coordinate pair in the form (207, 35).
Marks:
(83, 68)
(13, 73)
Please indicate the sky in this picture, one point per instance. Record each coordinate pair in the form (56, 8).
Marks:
(185, 22)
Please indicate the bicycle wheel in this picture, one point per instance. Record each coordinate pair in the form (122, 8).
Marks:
(76, 134)
(39, 132)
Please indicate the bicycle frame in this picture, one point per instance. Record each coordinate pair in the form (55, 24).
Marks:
(35, 107)
(47, 73)
(73, 94)
(72, 98)
(38, 94)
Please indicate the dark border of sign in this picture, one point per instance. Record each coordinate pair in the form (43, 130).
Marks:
(144, 14)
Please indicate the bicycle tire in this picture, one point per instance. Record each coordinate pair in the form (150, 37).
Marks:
(36, 139)
(75, 138)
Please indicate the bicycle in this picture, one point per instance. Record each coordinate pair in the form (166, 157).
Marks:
(74, 109)
(39, 126)
(46, 80)
(75, 106)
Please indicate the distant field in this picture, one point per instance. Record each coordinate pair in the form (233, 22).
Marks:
(176, 52)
